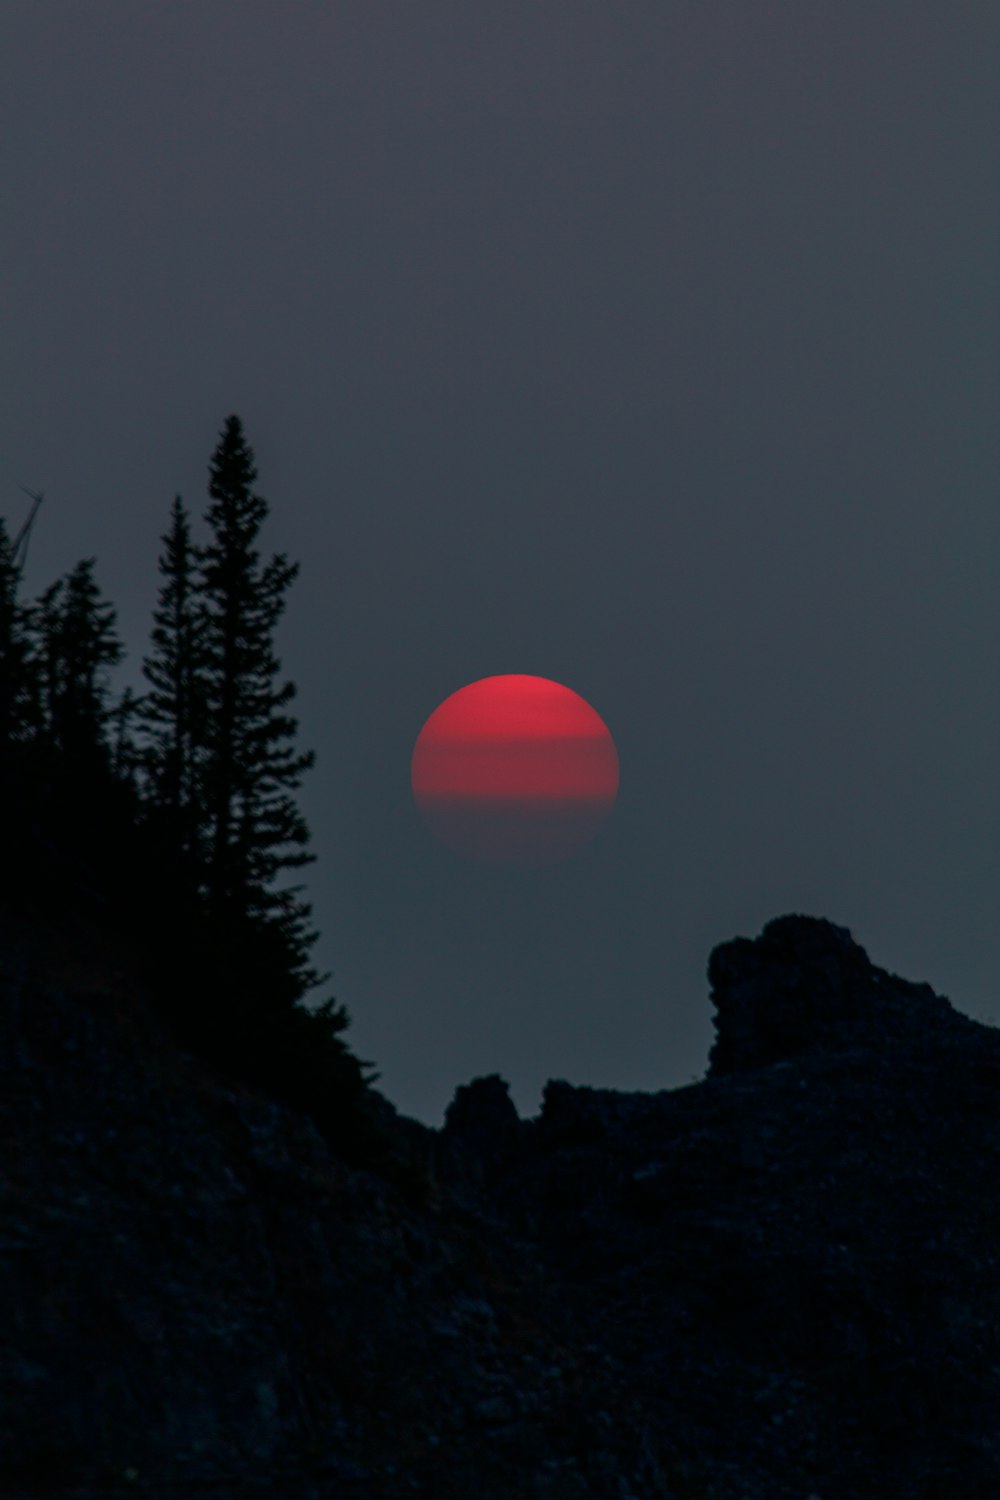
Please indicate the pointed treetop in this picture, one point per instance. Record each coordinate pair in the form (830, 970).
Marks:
(232, 467)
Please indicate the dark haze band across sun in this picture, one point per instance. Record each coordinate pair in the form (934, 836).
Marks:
(515, 769)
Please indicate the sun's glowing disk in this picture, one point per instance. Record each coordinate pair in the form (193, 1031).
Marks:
(515, 770)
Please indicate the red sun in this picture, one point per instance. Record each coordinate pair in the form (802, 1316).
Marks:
(515, 770)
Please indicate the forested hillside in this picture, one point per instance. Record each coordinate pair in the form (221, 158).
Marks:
(173, 812)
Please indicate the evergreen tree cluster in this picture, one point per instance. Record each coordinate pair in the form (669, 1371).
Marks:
(175, 808)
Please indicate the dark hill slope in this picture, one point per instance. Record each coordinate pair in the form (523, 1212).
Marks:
(779, 1283)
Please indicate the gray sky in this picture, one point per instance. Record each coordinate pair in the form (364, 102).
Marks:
(651, 348)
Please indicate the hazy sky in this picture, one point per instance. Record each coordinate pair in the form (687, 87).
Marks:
(649, 347)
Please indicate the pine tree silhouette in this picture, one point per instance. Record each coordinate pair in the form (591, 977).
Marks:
(256, 830)
(77, 644)
(173, 713)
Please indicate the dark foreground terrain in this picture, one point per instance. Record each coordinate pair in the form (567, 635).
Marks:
(780, 1283)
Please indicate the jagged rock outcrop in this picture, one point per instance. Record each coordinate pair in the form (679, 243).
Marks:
(479, 1136)
(779, 1283)
(483, 1114)
(805, 983)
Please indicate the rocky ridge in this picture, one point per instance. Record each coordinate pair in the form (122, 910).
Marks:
(779, 1283)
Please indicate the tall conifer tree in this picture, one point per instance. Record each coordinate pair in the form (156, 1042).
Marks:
(256, 830)
(77, 642)
(172, 713)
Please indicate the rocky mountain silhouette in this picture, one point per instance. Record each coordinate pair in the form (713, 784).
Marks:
(779, 1283)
